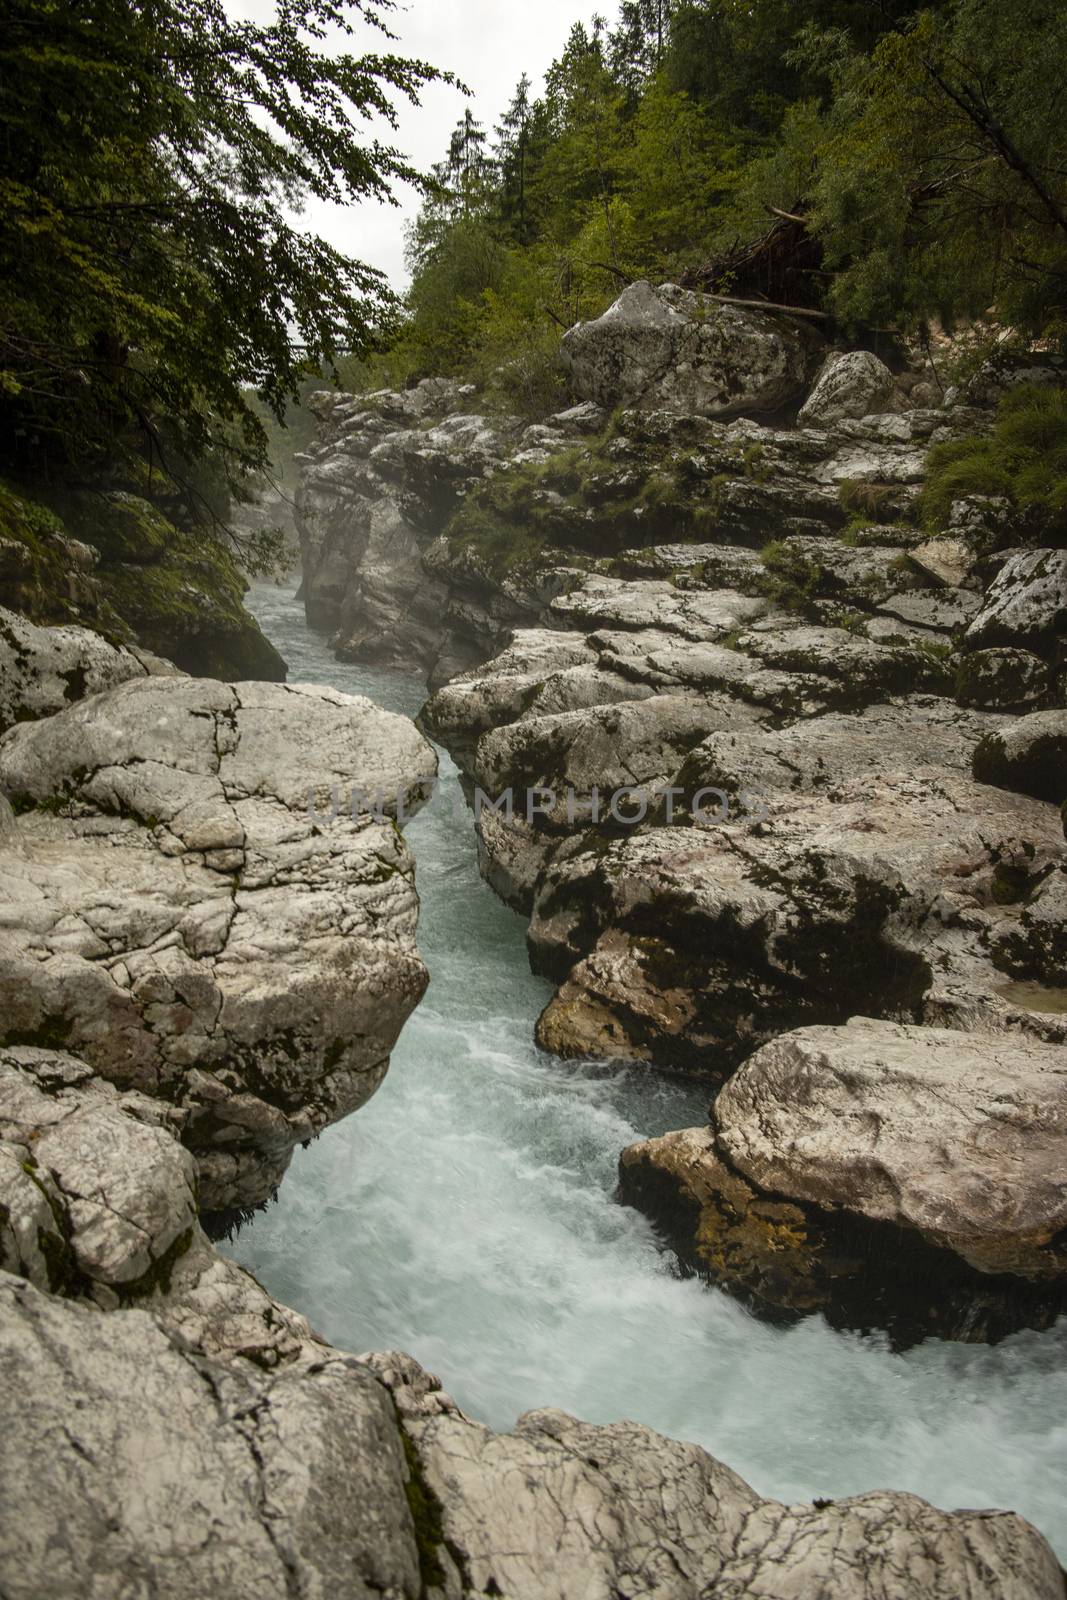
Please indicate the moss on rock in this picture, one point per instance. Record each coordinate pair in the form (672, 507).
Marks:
(113, 562)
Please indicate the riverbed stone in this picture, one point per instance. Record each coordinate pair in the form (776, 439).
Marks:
(959, 1137)
(624, 1511)
(882, 1174)
(881, 894)
(177, 918)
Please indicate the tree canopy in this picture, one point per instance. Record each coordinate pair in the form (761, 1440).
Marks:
(152, 278)
(924, 148)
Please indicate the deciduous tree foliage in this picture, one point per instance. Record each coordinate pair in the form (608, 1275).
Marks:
(151, 155)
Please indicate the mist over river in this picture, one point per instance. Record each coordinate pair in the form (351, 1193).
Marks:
(466, 1216)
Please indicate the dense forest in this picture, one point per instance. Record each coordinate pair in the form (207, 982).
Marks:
(890, 168)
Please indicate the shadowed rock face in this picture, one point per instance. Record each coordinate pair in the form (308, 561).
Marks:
(175, 915)
(1028, 756)
(908, 1176)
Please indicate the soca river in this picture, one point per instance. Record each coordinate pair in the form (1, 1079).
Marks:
(466, 1215)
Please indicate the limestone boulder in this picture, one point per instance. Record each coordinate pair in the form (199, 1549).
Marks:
(175, 1475)
(179, 915)
(624, 1511)
(1002, 680)
(668, 348)
(884, 894)
(44, 670)
(119, 1191)
(1027, 755)
(884, 1175)
(850, 384)
(957, 1137)
(1025, 607)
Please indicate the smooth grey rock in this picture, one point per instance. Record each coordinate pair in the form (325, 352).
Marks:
(191, 931)
(853, 384)
(668, 348)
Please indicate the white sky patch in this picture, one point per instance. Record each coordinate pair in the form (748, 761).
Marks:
(488, 44)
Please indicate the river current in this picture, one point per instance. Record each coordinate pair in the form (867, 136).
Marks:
(466, 1215)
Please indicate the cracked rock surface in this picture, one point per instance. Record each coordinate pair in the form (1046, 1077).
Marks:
(44, 670)
(176, 917)
(336, 1476)
(565, 1510)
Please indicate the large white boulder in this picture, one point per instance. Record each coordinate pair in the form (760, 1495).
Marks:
(669, 348)
(178, 916)
(959, 1137)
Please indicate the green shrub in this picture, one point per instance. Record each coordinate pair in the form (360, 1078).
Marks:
(1024, 459)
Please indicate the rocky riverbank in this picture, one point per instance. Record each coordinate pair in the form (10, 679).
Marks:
(198, 974)
(840, 740)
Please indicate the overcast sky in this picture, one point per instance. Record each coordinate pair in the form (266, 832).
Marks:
(488, 44)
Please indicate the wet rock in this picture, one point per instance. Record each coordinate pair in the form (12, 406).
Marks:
(882, 894)
(1002, 680)
(1028, 756)
(665, 347)
(853, 384)
(177, 917)
(958, 1137)
(884, 1175)
(1025, 607)
(360, 1477)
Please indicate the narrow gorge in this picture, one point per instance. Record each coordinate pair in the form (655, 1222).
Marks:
(674, 1043)
(533, 800)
